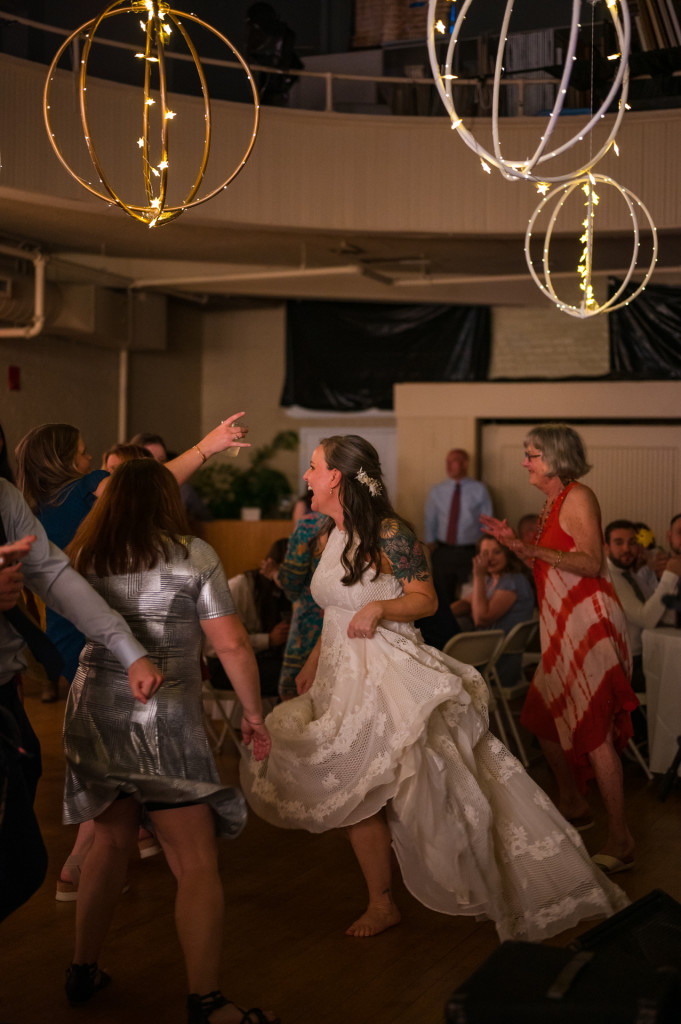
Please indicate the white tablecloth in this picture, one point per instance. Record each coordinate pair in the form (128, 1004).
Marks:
(662, 669)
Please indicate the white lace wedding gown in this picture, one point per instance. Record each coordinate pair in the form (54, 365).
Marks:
(390, 722)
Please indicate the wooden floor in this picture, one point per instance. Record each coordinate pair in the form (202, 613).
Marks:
(289, 898)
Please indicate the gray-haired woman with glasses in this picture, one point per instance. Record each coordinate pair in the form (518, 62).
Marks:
(580, 702)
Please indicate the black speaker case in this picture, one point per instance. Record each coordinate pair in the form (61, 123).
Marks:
(626, 970)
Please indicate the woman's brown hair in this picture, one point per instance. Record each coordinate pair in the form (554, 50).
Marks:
(138, 520)
(46, 462)
(126, 452)
(366, 505)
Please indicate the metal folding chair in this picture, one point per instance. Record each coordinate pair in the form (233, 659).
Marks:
(220, 706)
(632, 747)
(516, 641)
(478, 649)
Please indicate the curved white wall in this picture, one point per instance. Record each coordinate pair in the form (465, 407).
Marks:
(327, 171)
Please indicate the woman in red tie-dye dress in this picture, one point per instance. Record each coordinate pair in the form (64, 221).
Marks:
(580, 700)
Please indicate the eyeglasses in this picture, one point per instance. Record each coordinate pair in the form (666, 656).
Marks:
(527, 455)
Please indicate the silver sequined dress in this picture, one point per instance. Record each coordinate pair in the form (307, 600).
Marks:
(158, 751)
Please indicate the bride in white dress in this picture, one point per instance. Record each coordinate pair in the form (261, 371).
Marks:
(389, 739)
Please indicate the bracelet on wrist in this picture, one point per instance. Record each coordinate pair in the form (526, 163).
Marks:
(559, 559)
(204, 458)
(251, 722)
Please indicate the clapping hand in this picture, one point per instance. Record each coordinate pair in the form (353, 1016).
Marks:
(499, 529)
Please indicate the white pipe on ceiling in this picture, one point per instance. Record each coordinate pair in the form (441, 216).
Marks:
(36, 325)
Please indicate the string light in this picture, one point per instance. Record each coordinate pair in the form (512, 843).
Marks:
(589, 306)
(157, 29)
(532, 169)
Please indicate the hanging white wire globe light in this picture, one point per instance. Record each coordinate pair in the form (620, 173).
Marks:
(588, 306)
(159, 19)
(530, 168)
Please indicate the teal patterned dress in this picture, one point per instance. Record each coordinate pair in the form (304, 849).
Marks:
(306, 623)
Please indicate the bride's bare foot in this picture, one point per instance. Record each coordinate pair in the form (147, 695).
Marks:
(376, 918)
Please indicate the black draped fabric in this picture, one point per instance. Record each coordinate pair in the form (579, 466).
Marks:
(347, 356)
(645, 336)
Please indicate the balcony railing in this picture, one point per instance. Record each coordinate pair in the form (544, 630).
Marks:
(412, 94)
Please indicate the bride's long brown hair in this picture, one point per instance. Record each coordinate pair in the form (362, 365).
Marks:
(138, 520)
(364, 512)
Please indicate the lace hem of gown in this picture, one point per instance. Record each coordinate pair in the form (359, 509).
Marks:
(390, 722)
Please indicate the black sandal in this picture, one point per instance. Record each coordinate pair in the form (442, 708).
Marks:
(199, 1009)
(82, 981)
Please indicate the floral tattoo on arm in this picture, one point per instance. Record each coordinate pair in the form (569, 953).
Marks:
(403, 551)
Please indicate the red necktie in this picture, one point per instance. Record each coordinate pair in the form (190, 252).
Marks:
(453, 523)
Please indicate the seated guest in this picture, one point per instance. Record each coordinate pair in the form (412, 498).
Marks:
(651, 560)
(265, 611)
(643, 605)
(674, 535)
(527, 527)
(671, 616)
(500, 598)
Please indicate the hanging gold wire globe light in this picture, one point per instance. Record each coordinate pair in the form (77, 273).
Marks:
(534, 166)
(159, 21)
(555, 201)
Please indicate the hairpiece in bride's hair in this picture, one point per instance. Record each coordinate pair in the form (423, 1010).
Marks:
(375, 486)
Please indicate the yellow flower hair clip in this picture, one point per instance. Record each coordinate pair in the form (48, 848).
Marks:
(645, 537)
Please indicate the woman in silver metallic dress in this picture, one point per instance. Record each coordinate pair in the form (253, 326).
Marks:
(133, 753)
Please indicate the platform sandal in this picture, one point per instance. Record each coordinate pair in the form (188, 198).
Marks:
(200, 1008)
(82, 981)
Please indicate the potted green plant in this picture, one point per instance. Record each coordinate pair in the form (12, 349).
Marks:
(228, 487)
